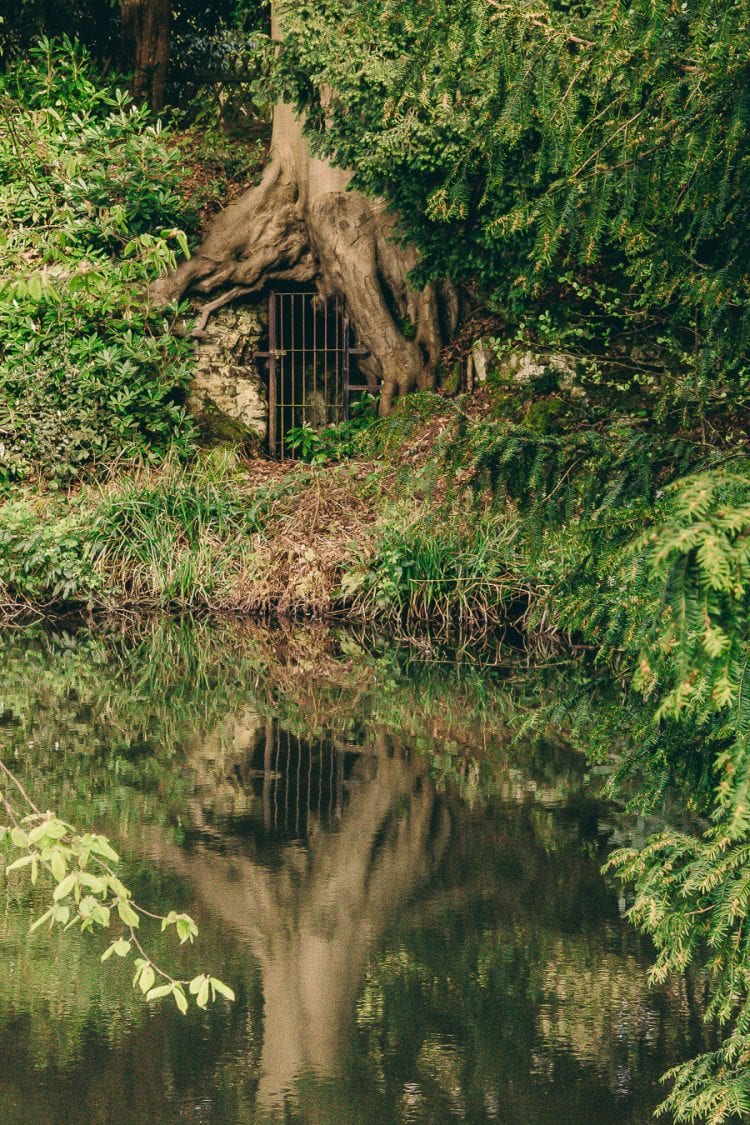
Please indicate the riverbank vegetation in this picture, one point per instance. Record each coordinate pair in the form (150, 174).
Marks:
(579, 173)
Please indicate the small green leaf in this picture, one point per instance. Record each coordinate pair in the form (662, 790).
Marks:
(58, 864)
(179, 998)
(157, 993)
(65, 887)
(24, 861)
(223, 989)
(40, 921)
(127, 914)
(203, 994)
(101, 846)
(195, 985)
(148, 976)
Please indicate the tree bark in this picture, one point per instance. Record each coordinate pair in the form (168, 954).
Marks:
(302, 225)
(145, 38)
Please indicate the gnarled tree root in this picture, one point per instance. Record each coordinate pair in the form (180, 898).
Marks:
(301, 225)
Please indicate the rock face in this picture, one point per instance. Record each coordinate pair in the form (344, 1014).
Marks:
(530, 369)
(538, 372)
(227, 395)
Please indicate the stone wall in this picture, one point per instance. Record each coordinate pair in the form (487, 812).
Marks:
(228, 396)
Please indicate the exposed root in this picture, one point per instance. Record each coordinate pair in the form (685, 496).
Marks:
(211, 307)
(259, 238)
(300, 225)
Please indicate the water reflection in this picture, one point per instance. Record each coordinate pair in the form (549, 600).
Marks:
(330, 845)
(414, 935)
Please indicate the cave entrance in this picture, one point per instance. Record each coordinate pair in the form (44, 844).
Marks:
(312, 365)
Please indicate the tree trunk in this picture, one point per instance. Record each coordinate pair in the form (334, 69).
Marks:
(145, 37)
(300, 224)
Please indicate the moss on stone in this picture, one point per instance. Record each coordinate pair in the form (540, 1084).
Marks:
(217, 428)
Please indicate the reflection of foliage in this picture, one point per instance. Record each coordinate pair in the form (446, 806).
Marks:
(128, 700)
(127, 726)
(519, 977)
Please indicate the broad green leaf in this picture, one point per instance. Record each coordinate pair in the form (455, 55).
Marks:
(24, 861)
(223, 989)
(65, 887)
(127, 914)
(180, 998)
(157, 993)
(147, 978)
(40, 921)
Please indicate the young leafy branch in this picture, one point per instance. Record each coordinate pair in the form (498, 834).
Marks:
(88, 893)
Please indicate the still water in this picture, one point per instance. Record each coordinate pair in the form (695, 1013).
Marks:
(406, 898)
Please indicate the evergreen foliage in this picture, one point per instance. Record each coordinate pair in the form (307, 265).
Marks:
(520, 142)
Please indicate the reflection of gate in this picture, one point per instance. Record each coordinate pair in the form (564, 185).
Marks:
(310, 350)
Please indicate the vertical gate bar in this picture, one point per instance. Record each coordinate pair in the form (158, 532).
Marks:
(299, 786)
(331, 787)
(312, 399)
(277, 746)
(290, 353)
(339, 389)
(343, 328)
(308, 333)
(321, 756)
(334, 329)
(314, 320)
(272, 375)
(287, 775)
(339, 784)
(309, 786)
(325, 333)
(284, 369)
(345, 323)
(303, 396)
(301, 321)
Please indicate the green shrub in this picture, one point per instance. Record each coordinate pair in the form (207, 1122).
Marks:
(44, 561)
(583, 164)
(88, 370)
(335, 442)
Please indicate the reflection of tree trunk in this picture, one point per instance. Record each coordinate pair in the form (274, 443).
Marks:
(145, 36)
(314, 923)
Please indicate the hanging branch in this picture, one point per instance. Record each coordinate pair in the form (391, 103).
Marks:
(88, 893)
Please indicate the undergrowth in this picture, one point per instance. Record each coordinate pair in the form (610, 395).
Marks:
(91, 211)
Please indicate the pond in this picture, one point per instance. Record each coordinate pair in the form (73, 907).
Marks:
(406, 898)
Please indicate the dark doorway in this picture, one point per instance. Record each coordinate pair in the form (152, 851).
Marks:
(311, 360)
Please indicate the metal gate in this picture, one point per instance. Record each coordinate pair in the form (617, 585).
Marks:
(310, 348)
